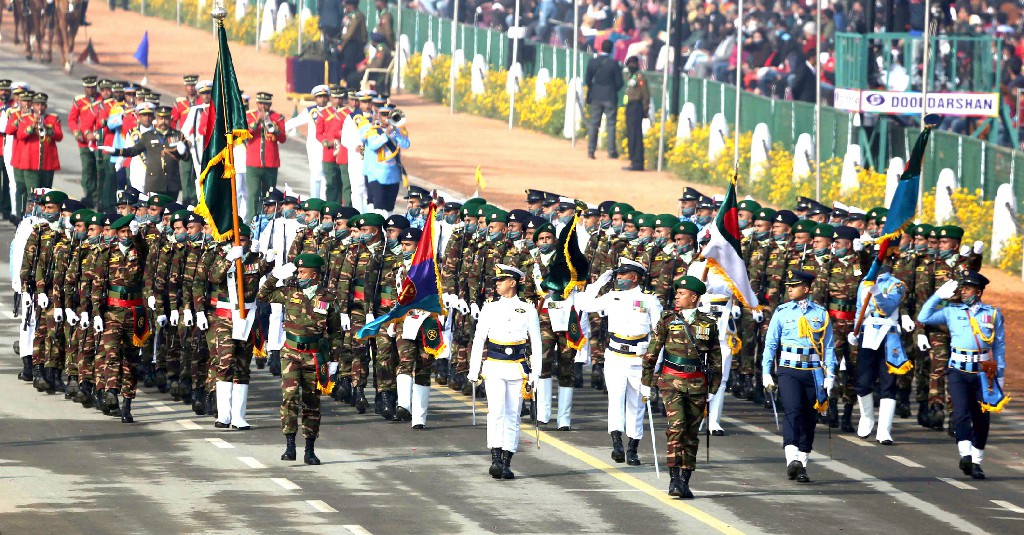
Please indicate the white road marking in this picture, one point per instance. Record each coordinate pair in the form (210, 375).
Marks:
(9, 314)
(356, 529)
(1008, 506)
(958, 484)
(160, 407)
(856, 440)
(319, 505)
(220, 443)
(284, 483)
(904, 461)
(252, 462)
(189, 424)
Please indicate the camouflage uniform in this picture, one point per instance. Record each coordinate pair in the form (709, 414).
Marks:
(119, 293)
(358, 281)
(230, 358)
(169, 285)
(70, 299)
(35, 266)
(903, 270)
(339, 251)
(756, 254)
(844, 275)
(386, 358)
(88, 367)
(462, 247)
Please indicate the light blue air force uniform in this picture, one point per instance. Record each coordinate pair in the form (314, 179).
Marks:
(881, 351)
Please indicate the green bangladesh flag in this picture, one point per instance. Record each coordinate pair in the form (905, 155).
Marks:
(225, 127)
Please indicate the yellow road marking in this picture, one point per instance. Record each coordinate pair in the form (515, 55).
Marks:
(628, 479)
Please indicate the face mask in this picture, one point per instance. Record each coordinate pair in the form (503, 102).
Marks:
(126, 242)
(109, 239)
(565, 219)
(493, 236)
(945, 254)
(94, 240)
(840, 252)
(546, 247)
(66, 223)
(365, 238)
(167, 230)
(921, 248)
(702, 220)
(312, 224)
(744, 223)
(471, 228)
(451, 219)
(194, 238)
(801, 247)
(207, 237)
(51, 217)
(628, 235)
(326, 226)
(304, 283)
(904, 248)
(80, 235)
(392, 243)
(534, 211)
(617, 229)
(178, 238)
(821, 252)
(408, 254)
(414, 212)
(685, 248)
(781, 237)
(932, 251)
(970, 301)
(301, 218)
(688, 212)
(660, 242)
(606, 224)
(480, 232)
(288, 213)
(760, 235)
(644, 241)
(622, 284)
(153, 218)
(515, 234)
(591, 229)
(341, 234)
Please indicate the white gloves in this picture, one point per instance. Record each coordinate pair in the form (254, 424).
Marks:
(254, 246)
(907, 322)
(97, 324)
(151, 302)
(188, 318)
(71, 316)
(473, 377)
(106, 148)
(604, 278)
(234, 253)
(283, 272)
(43, 300)
(922, 343)
(174, 318)
(84, 320)
(201, 321)
(858, 245)
(946, 290)
(134, 226)
(474, 310)
(758, 316)
(462, 306)
(58, 315)
(450, 300)
(645, 392)
(767, 381)
(978, 247)
(964, 249)
(736, 312)
(391, 330)
(346, 322)
(851, 339)
(370, 318)
(875, 289)
(161, 320)
(180, 146)
(828, 383)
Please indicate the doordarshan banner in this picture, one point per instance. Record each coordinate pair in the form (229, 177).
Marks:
(907, 103)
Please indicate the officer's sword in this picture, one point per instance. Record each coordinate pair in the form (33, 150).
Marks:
(654, 443)
(775, 412)
(474, 403)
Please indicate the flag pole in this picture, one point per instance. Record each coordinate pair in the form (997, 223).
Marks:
(219, 13)
(667, 47)
(739, 94)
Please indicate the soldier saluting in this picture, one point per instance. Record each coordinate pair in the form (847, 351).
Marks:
(161, 148)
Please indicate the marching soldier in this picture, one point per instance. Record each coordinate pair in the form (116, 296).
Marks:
(844, 273)
(977, 363)
(800, 333)
(262, 153)
(506, 354)
(36, 276)
(684, 361)
(756, 246)
(306, 308)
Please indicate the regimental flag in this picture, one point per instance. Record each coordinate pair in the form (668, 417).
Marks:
(421, 288)
(723, 253)
(225, 127)
(569, 271)
(140, 330)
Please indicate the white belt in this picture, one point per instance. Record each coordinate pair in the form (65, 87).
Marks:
(788, 355)
(972, 358)
(628, 350)
(226, 305)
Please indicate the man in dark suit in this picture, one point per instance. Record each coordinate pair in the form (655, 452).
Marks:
(803, 76)
(603, 81)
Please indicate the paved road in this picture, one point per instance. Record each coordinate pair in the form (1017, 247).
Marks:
(172, 471)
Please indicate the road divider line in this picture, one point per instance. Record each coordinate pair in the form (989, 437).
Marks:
(958, 484)
(251, 462)
(356, 529)
(658, 494)
(856, 440)
(321, 506)
(904, 461)
(160, 407)
(1008, 506)
(285, 483)
(189, 424)
(220, 443)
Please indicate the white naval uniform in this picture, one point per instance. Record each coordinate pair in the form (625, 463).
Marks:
(21, 236)
(351, 139)
(314, 149)
(717, 302)
(276, 245)
(631, 314)
(505, 320)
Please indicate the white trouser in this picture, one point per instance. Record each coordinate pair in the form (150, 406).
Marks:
(404, 384)
(9, 164)
(622, 378)
(356, 180)
(25, 335)
(315, 154)
(420, 403)
(275, 338)
(504, 398)
(564, 406)
(715, 408)
(543, 396)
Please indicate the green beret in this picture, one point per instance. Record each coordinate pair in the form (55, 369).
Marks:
(244, 230)
(158, 199)
(309, 260)
(749, 205)
(805, 225)
(313, 204)
(546, 227)
(630, 217)
(55, 197)
(934, 232)
(764, 214)
(644, 220)
(620, 208)
(691, 283)
(475, 201)
(875, 212)
(665, 220)
(95, 218)
(331, 209)
(354, 222)
(497, 214)
(824, 230)
(951, 231)
(921, 230)
(180, 215)
(123, 222)
(480, 210)
(371, 220)
(81, 216)
(688, 228)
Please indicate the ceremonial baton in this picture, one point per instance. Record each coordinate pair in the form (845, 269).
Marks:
(654, 444)
(775, 412)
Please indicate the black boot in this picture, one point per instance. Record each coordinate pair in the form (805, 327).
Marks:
(577, 369)
(739, 388)
(965, 464)
(148, 375)
(345, 389)
(26, 369)
(199, 401)
(289, 449)
(50, 375)
(903, 404)
(58, 380)
(801, 474)
(632, 458)
(39, 378)
(186, 391)
(97, 399)
(506, 463)
(378, 405)
(687, 495)
(675, 488)
(160, 379)
(274, 363)
(846, 423)
(72, 388)
(175, 388)
(618, 455)
(388, 402)
(758, 398)
(922, 413)
(361, 403)
(84, 395)
(977, 472)
(597, 377)
(310, 456)
(126, 412)
(402, 414)
(211, 404)
(936, 416)
(467, 386)
(833, 415)
(441, 368)
(110, 403)
(749, 387)
(261, 362)
(496, 463)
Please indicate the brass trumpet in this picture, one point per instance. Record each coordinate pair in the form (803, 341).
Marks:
(397, 118)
